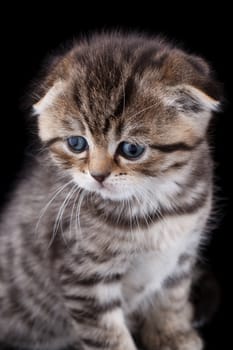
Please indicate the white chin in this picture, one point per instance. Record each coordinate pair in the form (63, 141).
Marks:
(114, 195)
(111, 194)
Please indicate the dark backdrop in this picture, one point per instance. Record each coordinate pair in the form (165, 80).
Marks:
(29, 34)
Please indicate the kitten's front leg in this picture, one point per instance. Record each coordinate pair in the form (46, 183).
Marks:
(168, 324)
(98, 319)
(109, 333)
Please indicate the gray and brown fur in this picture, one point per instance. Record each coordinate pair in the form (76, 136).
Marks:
(87, 267)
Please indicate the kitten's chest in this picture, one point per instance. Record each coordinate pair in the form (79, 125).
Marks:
(163, 244)
(146, 274)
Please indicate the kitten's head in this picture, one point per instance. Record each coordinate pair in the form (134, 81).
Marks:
(124, 114)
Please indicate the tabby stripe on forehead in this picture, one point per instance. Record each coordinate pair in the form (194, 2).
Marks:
(77, 97)
(148, 60)
(119, 127)
(125, 98)
(173, 147)
(106, 126)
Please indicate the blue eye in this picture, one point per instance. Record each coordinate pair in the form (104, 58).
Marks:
(77, 143)
(131, 150)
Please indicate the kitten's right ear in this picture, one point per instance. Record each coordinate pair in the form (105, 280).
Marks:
(49, 98)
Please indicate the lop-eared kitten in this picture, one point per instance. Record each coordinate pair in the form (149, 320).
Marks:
(100, 239)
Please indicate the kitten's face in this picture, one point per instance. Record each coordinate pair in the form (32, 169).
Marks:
(119, 129)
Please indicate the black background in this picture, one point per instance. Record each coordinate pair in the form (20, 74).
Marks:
(29, 34)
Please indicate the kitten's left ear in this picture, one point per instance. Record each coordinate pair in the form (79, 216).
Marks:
(190, 100)
(191, 86)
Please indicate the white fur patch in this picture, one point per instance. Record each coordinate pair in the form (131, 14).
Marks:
(113, 317)
(167, 240)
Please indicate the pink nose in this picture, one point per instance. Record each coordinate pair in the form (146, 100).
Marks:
(100, 177)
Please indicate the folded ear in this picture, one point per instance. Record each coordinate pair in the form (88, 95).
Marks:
(191, 103)
(48, 100)
(191, 86)
(190, 100)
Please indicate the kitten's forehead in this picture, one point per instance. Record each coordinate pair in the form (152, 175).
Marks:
(120, 109)
(106, 88)
(112, 91)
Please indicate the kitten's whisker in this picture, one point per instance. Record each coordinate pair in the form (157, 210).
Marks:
(119, 213)
(135, 217)
(130, 217)
(77, 215)
(158, 207)
(59, 215)
(91, 197)
(140, 195)
(148, 194)
(43, 211)
(73, 190)
(160, 214)
(137, 222)
(140, 204)
(78, 189)
(144, 213)
(143, 110)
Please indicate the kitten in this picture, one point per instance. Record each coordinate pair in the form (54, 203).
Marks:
(100, 239)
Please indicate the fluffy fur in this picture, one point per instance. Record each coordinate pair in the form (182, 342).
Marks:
(89, 263)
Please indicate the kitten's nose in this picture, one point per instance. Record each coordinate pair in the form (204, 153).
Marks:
(100, 177)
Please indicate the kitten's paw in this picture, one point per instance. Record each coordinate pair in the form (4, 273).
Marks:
(177, 341)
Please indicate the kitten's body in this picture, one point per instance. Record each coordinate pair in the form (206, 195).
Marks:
(120, 261)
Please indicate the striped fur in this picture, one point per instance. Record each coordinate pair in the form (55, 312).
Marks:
(79, 258)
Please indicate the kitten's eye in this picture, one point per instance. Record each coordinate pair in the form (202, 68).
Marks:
(131, 150)
(77, 143)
